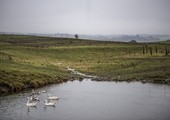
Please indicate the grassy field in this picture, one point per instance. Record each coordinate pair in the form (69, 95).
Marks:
(30, 61)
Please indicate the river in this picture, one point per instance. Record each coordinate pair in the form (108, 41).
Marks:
(91, 100)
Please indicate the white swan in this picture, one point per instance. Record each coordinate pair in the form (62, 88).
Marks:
(34, 99)
(49, 103)
(30, 104)
(52, 97)
(43, 91)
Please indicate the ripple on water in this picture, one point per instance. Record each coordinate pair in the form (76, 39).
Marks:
(88, 100)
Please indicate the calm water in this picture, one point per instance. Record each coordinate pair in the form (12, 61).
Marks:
(88, 100)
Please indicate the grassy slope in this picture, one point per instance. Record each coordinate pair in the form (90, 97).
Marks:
(29, 61)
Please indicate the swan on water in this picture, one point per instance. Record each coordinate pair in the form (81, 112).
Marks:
(34, 98)
(49, 103)
(30, 104)
(34, 93)
(43, 91)
(52, 97)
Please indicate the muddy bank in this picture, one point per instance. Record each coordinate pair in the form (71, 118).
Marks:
(121, 79)
(12, 87)
(6, 87)
(154, 80)
(16, 81)
(11, 84)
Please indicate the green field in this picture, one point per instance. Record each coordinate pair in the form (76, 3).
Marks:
(30, 61)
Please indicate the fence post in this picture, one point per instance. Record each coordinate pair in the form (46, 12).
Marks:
(151, 50)
(146, 48)
(166, 50)
(143, 49)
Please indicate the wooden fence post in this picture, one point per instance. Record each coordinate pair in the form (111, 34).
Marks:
(146, 48)
(143, 49)
(166, 50)
(151, 50)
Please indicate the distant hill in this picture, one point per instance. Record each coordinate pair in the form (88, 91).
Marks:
(111, 37)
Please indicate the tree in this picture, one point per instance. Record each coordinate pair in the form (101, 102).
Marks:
(133, 41)
(76, 36)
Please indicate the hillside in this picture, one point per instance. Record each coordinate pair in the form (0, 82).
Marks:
(30, 61)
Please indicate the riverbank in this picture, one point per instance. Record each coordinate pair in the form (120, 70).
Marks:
(30, 61)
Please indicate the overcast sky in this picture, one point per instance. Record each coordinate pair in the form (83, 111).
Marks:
(85, 16)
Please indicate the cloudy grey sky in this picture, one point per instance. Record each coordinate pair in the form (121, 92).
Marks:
(85, 16)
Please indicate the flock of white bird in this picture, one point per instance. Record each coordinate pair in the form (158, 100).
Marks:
(32, 100)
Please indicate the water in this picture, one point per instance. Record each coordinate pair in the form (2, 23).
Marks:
(88, 100)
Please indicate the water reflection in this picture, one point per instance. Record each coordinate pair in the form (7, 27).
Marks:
(88, 100)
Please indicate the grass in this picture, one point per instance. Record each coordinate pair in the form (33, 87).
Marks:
(30, 61)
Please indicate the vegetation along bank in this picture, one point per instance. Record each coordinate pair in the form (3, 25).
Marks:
(31, 61)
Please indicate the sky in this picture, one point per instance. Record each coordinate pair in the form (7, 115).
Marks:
(85, 16)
